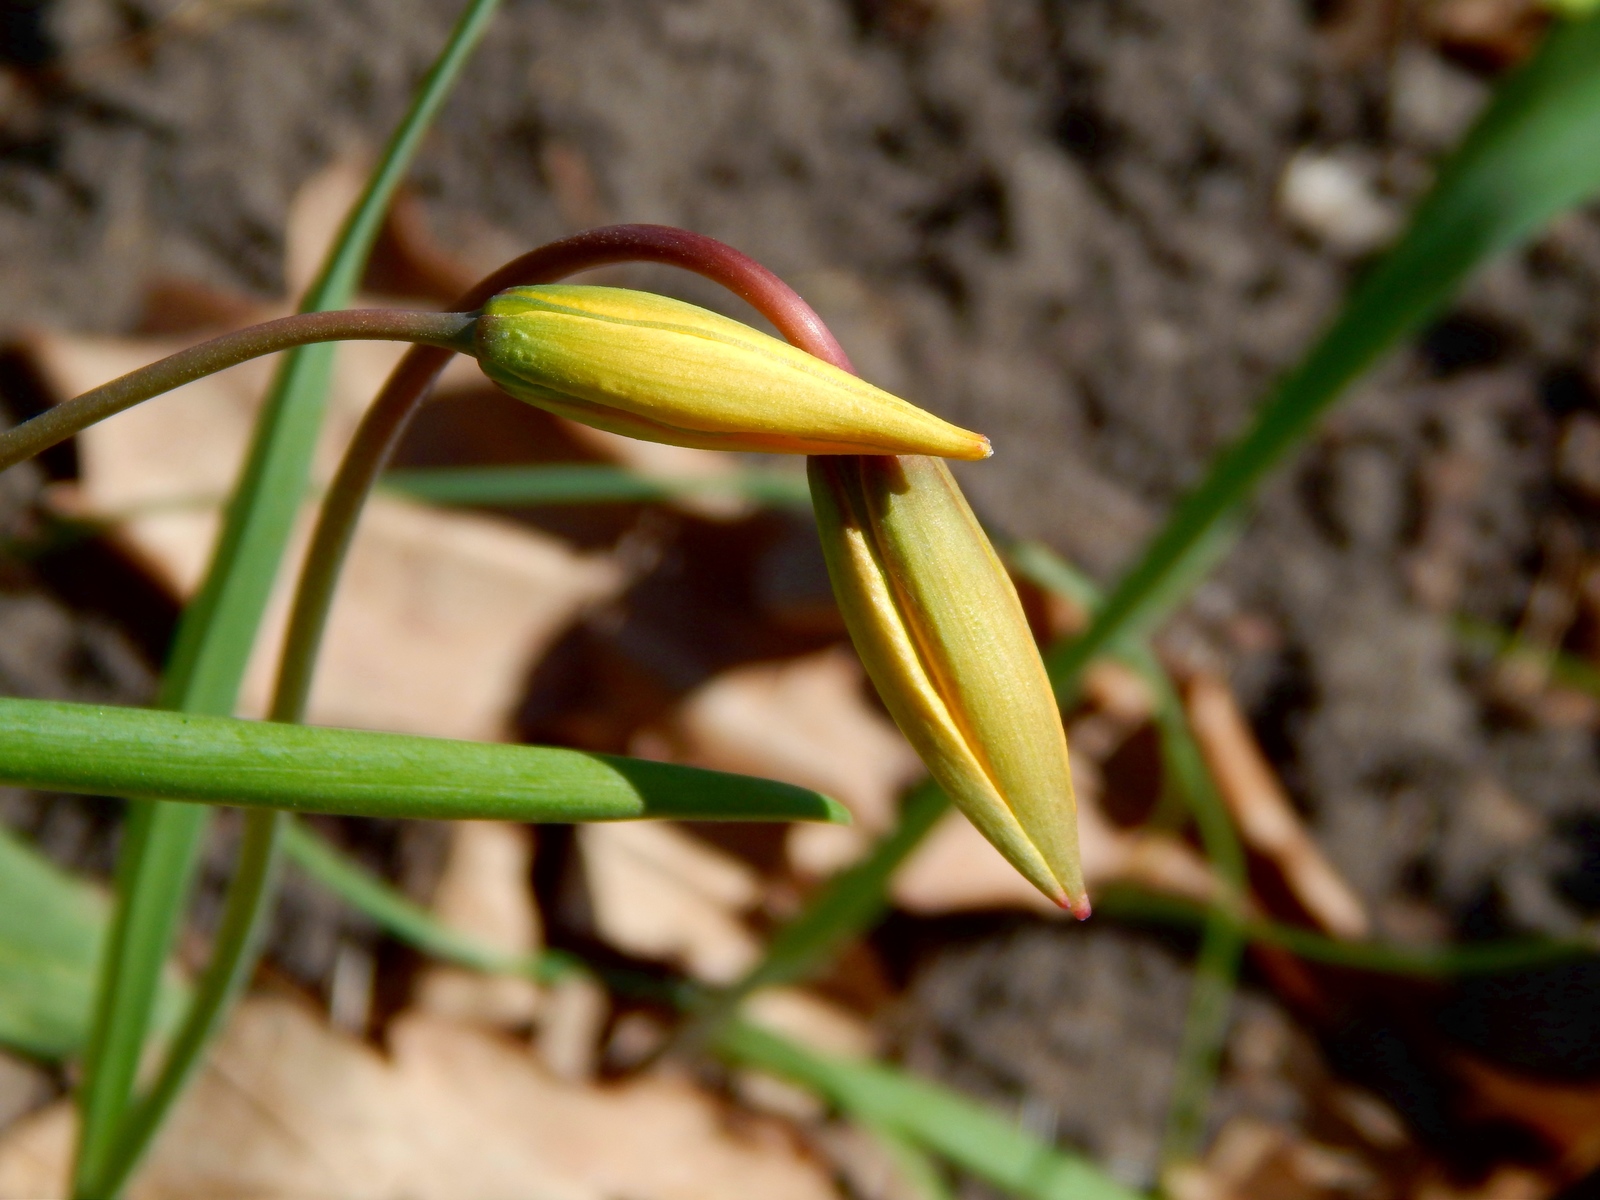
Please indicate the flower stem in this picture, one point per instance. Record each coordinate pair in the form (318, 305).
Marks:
(408, 387)
(453, 330)
(249, 892)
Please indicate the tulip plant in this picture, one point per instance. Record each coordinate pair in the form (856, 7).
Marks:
(931, 609)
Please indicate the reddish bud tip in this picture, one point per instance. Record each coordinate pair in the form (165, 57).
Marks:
(1078, 908)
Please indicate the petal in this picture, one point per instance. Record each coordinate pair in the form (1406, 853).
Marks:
(667, 371)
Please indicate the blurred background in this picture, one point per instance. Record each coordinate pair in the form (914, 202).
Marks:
(1094, 230)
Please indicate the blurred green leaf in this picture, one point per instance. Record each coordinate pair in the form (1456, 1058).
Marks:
(213, 645)
(966, 1133)
(884, 1099)
(52, 930)
(1559, 667)
(1534, 153)
(1467, 958)
(585, 483)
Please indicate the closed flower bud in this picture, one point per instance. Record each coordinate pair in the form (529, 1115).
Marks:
(658, 369)
(941, 632)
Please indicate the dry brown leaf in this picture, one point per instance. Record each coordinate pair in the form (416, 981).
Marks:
(484, 891)
(439, 615)
(572, 1017)
(288, 1109)
(805, 721)
(1267, 821)
(1252, 1159)
(809, 1019)
(865, 1163)
(659, 893)
(316, 215)
(1565, 1115)
(806, 1018)
(957, 870)
(438, 619)
(1503, 1183)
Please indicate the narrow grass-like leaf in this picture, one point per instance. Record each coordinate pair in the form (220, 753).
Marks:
(214, 641)
(586, 483)
(1533, 153)
(52, 931)
(963, 1131)
(221, 760)
(1222, 942)
(843, 909)
(1469, 958)
(881, 1097)
(918, 1173)
(1559, 667)
(396, 912)
(850, 903)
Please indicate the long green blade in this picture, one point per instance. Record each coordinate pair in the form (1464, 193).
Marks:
(585, 483)
(52, 931)
(221, 760)
(1534, 153)
(842, 910)
(217, 633)
(880, 1097)
(963, 1131)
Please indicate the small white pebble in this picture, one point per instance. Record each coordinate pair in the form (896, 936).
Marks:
(1331, 196)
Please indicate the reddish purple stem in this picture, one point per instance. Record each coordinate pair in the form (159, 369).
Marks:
(408, 387)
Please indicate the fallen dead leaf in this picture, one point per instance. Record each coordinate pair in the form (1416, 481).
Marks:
(1503, 1183)
(811, 1020)
(1251, 1159)
(659, 893)
(1266, 819)
(866, 1164)
(289, 1109)
(440, 614)
(572, 1017)
(439, 618)
(805, 721)
(957, 870)
(484, 891)
(1565, 1115)
(807, 1018)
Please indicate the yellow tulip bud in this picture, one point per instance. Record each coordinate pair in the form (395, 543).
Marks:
(941, 632)
(658, 369)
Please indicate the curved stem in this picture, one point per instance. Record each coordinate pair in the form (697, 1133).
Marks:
(408, 387)
(360, 324)
(238, 941)
(370, 449)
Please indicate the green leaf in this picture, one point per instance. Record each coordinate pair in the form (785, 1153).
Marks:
(582, 483)
(880, 1097)
(52, 931)
(1428, 962)
(214, 641)
(843, 909)
(1533, 153)
(965, 1132)
(154, 753)
(1557, 666)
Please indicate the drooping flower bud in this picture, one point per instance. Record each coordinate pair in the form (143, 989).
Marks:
(649, 367)
(941, 633)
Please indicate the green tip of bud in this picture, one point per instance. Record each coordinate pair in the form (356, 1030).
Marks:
(942, 634)
(835, 813)
(665, 371)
